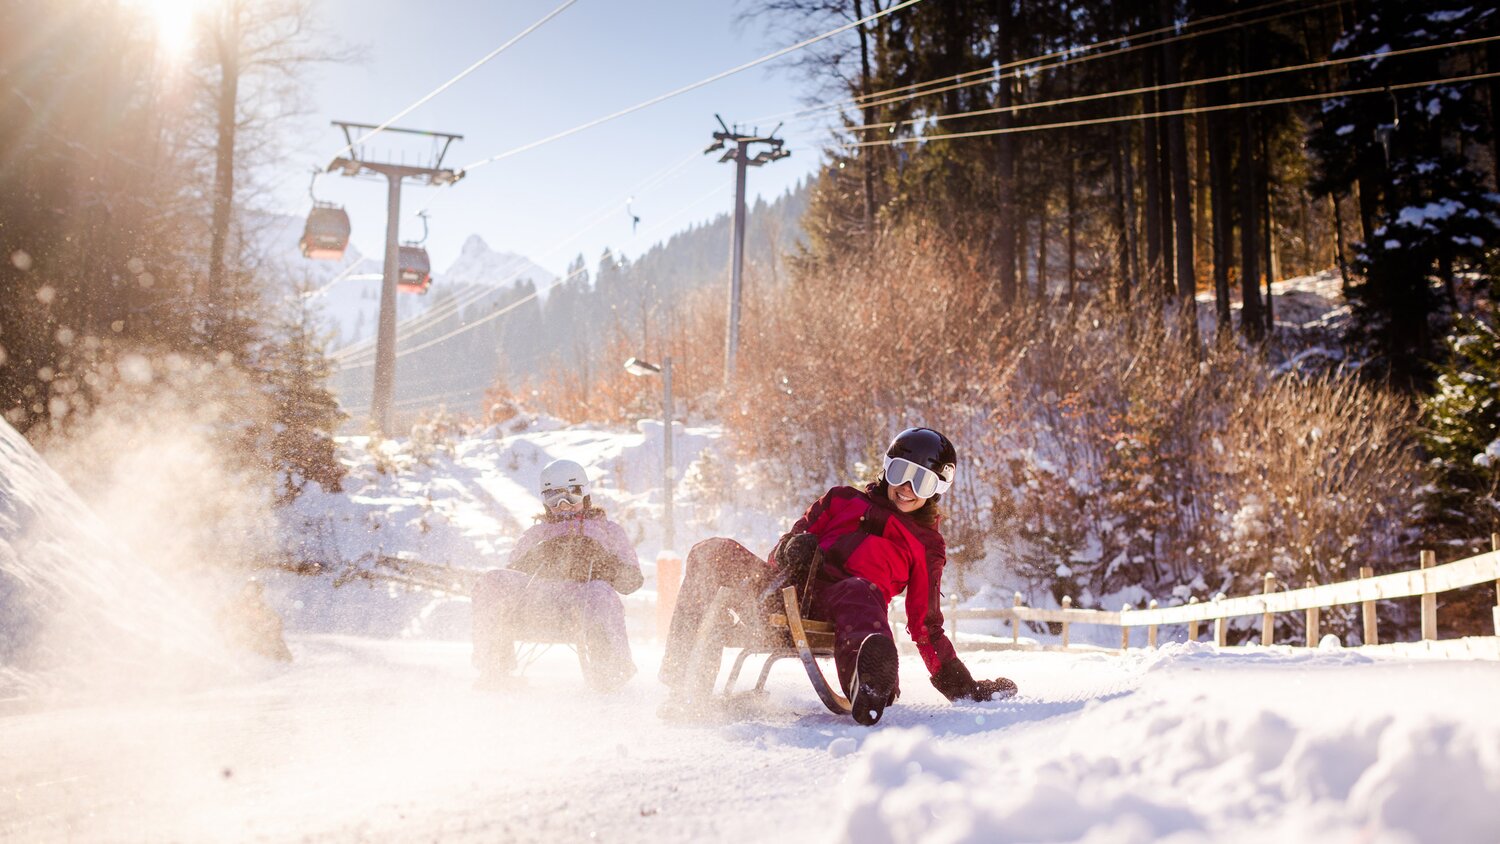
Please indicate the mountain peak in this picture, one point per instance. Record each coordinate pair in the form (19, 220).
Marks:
(474, 246)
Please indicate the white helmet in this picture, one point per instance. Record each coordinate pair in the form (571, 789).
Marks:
(564, 474)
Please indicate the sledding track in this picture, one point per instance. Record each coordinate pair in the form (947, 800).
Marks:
(375, 740)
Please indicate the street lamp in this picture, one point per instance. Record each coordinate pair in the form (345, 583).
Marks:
(636, 366)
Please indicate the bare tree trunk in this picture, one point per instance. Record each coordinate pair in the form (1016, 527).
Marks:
(1338, 243)
(227, 40)
(1005, 159)
(868, 115)
(1164, 179)
(1202, 236)
(1023, 234)
(1072, 224)
(1177, 154)
(1122, 242)
(1223, 222)
(1307, 236)
(1367, 193)
(1252, 320)
(1132, 229)
(1150, 169)
(1268, 207)
(1041, 247)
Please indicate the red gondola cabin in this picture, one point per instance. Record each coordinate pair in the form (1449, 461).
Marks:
(415, 271)
(326, 234)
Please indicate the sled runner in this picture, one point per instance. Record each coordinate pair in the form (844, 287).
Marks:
(784, 636)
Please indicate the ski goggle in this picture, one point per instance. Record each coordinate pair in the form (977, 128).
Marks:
(553, 497)
(925, 483)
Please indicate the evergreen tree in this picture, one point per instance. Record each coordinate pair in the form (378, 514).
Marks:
(1422, 207)
(1461, 435)
(305, 415)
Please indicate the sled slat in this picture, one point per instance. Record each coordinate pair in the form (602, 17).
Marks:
(836, 703)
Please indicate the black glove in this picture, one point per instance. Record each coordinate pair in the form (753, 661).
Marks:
(953, 680)
(627, 579)
(956, 683)
(795, 552)
(797, 558)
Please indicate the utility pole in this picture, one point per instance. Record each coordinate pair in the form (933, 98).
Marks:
(382, 398)
(738, 151)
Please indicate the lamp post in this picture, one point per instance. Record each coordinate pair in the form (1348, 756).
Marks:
(636, 366)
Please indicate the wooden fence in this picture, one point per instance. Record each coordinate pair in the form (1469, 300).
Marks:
(1425, 581)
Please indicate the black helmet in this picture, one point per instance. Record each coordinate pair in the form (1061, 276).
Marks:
(925, 448)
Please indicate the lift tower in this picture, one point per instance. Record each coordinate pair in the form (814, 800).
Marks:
(353, 162)
(738, 151)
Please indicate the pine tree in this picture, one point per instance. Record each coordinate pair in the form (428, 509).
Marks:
(1423, 209)
(1461, 435)
(305, 414)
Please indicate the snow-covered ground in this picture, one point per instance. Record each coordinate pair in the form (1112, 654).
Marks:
(383, 740)
(374, 731)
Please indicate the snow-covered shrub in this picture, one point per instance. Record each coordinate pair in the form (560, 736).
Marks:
(432, 434)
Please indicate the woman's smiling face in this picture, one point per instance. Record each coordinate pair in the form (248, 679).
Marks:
(902, 496)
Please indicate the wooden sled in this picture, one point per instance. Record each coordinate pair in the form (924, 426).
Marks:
(784, 636)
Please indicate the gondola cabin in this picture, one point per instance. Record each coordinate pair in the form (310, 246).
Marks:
(326, 234)
(415, 271)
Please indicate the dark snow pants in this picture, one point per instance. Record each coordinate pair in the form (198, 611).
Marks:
(853, 605)
(713, 563)
(856, 608)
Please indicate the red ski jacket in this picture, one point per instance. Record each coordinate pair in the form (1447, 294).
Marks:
(862, 535)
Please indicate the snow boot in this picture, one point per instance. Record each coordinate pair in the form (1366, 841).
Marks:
(873, 686)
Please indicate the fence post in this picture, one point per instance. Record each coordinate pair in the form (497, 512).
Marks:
(1429, 602)
(1193, 625)
(1221, 626)
(1267, 620)
(668, 582)
(1495, 546)
(1151, 631)
(1312, 620)
(1372, 635)
(1124, 631)
(1067, 605)
(1015, 621)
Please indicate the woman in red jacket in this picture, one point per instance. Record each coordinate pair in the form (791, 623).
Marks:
(866, 546)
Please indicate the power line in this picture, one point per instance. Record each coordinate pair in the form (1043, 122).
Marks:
(519, 302)
(1249, 74)
(1016, 67)
(1068, 56)
(446, 309)
(343, 274)
(446, 85)
(1123, 118)
(686, 88)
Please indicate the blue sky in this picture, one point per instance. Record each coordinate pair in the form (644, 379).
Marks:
(596, 57)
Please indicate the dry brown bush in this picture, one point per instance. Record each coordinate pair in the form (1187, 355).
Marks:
(1104, 454)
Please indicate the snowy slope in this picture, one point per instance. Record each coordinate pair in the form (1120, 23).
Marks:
(374, 731)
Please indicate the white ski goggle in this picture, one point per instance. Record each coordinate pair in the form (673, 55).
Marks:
(925, 483)
(553, 497)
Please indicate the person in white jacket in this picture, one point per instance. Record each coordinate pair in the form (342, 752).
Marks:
(564, 580)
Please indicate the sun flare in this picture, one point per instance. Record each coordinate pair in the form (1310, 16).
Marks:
(173, 20)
